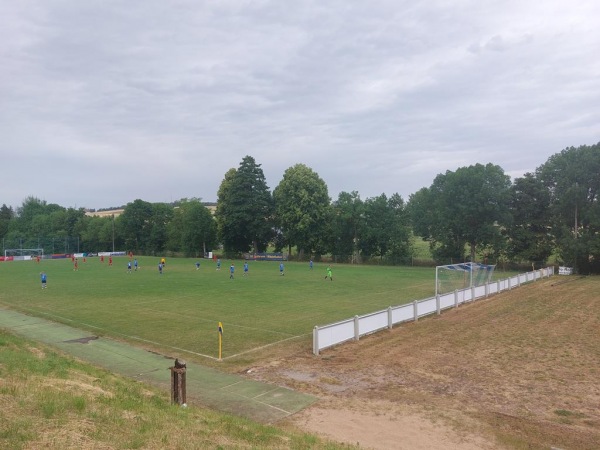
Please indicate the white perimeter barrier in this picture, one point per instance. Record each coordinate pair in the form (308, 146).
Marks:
(352, 329)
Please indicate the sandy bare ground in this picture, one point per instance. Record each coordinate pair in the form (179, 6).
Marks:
(517, 370)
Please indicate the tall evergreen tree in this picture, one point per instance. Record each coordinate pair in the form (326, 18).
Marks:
(6, 215)
(245, 209)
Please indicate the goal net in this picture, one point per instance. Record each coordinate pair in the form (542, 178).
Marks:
(23, 254)
(460, 276)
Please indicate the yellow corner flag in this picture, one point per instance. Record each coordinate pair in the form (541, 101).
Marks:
(220, 329)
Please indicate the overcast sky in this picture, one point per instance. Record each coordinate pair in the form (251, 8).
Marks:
(104, 102)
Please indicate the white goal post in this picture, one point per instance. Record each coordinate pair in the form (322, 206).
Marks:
(23, 254)
(450, 277)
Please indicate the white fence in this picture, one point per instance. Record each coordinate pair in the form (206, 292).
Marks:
(352, 329)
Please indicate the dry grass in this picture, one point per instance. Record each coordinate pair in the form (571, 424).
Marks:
(521, 369)
(48, 400)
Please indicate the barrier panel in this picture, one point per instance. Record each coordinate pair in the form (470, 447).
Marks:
(374, 322)
(333, 334)
(402, 313)
(426, 307)
(352, 329)
(447, 300)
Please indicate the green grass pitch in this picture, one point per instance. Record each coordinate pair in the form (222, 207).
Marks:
(181, 308)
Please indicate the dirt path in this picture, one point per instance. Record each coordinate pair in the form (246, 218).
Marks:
(387, 429)
(516, 370)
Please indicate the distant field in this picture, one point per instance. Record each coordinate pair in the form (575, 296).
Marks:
(181, 308)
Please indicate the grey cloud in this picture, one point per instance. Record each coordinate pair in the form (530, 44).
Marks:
(164, 97)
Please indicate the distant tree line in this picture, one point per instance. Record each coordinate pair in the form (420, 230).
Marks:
(472, 213)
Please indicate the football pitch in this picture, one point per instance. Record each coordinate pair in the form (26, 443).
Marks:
(180, 309)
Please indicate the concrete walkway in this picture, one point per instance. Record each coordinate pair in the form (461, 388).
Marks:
(205, 386)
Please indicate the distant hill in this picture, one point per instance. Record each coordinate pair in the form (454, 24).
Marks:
(212, 206)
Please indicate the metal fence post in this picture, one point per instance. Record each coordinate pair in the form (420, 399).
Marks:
(390, 318)
(416, 310)
(356, 329)
(316, 340)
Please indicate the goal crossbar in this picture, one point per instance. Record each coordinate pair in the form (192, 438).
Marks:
(23, 252)
(473, 273)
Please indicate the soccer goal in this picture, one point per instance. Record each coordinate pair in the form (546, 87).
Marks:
(23, 254)
(460, 276)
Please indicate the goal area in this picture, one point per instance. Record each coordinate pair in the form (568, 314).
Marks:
(23, 254)
(451, 277)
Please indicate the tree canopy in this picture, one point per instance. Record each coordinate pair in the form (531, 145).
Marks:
(528, 233)
(469, 213)
(245, 209)
(301, 204)
(465, 207)
(572, 180)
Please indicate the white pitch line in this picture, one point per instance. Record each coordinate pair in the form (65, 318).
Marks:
(254, 399)
(125, 335)
(170, 346)
(153, 342)
(270, 406)
(232, 384)
(147, 301)
(266, 392)
(265, 346)
(213, 321)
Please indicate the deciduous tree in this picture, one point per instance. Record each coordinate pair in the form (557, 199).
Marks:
(465, 207)
(529, 233)
(348, 223)
(572, 178)
(197, 227)
(301, 205)
(135, 225)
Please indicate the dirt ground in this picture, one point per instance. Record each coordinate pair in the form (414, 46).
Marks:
(517, 370)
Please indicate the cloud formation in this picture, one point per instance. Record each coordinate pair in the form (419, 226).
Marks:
(105, 102)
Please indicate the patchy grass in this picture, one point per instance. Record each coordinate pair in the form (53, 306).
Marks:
(182, 307)
(521, 368)
(48, 400)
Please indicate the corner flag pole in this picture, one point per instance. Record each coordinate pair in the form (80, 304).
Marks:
(220, 329)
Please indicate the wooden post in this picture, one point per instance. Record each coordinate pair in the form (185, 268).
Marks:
(178, 394)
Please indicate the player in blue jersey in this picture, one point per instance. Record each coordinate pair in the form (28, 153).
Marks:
(231, 271)
(281, 269)
(245, 268)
